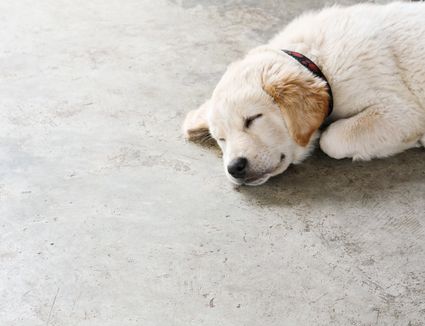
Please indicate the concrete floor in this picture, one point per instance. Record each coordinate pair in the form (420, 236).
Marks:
(108, 217)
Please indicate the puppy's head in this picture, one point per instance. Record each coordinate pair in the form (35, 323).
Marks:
(264, 115)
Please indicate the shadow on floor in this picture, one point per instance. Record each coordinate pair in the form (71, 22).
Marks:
(322, 178)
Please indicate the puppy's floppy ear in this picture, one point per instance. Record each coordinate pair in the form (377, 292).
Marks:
(303, 102)
(195, 127)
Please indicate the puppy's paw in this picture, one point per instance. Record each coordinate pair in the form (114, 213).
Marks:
(331, 142)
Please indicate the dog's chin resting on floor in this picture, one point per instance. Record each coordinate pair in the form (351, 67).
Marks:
(266, 110)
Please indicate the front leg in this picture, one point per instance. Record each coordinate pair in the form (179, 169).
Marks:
(374, 132)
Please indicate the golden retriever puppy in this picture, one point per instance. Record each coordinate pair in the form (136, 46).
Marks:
(359, 68)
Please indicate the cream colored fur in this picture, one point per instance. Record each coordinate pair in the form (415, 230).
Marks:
(373, 57)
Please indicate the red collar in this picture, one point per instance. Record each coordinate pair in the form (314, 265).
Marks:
(314, 69)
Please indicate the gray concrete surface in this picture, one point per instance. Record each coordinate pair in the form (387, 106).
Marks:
(108, 217)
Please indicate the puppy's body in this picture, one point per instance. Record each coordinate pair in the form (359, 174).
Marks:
(366, 51)
(372, 57)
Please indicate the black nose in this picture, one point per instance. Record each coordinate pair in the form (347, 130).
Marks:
(237, 167)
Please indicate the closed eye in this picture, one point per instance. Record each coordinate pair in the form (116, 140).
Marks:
(248, 121)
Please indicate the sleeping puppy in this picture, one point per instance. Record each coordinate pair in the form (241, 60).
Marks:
(358, 68)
